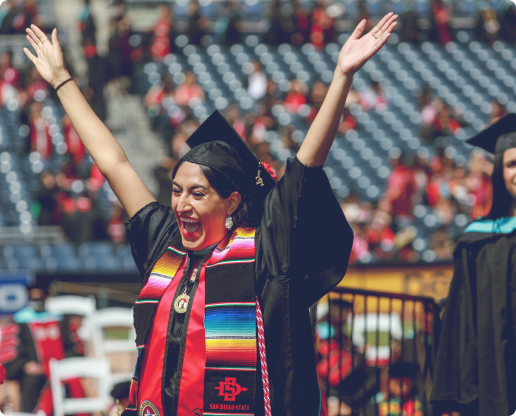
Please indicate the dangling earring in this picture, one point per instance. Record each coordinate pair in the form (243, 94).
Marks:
(229, 222)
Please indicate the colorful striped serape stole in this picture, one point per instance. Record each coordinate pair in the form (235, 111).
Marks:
(230, 328)
(162, 273)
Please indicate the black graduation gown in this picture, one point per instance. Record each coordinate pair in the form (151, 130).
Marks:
(302, 251)
(475, 371)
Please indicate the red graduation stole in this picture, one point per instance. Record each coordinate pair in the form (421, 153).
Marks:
(217, 360)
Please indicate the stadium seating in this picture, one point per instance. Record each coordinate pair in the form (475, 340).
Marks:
(95, 256)
(465, 73)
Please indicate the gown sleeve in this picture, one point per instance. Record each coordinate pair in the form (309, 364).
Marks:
(304, 235)
(149, 232)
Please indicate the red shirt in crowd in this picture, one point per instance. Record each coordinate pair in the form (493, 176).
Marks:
(40, 139)
(96, 177)
(442, 17)
(401, 186)
(293, 101)
(74, 146)
(160, 45)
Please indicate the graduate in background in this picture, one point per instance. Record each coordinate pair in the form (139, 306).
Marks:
(475, 371)
(28, 345)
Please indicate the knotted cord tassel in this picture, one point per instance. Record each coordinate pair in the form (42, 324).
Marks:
(263, 359)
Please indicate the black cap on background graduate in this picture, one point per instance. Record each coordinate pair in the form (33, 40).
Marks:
(497, 137)
(40, 282)
(217, 145)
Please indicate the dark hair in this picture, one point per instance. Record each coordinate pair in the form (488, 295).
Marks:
(249, 211)
(502, 199)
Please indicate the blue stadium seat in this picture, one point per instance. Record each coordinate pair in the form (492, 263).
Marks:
(96, 248)
(67, 264)
(58, 251)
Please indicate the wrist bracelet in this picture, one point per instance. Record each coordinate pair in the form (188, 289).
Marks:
(64, 82)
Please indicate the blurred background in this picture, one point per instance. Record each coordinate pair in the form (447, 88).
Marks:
(154, 70)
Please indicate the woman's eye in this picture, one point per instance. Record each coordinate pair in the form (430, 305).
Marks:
(176, 191)
(198, 194)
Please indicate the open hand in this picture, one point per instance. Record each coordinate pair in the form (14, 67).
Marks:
(50, 62)
(358, 50)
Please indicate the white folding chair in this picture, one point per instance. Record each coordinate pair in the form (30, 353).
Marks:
(117, 350)
(72, 305)
(80, 367)
(116, 318)
(82, 306)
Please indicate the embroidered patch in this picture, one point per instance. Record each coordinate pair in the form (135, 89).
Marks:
(229, 388)
(147, 408)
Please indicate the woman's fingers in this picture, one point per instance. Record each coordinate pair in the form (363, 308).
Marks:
(385, 35)
(358, 30)
(30, 55)
(381, 23)
(34, 45)
(39, 33)
(55, 41)
(387, 24)
(390, 29)
(381, 40)
(31, 35)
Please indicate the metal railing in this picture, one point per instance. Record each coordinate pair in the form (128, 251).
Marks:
(375, 352)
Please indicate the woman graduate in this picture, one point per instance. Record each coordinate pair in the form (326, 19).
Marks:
(231, 270)
(475, 371)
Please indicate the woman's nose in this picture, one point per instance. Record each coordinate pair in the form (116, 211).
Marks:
(183, 205)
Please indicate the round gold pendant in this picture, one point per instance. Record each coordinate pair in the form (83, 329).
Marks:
(181, 303)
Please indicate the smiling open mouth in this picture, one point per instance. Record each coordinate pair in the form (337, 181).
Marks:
(189, 226)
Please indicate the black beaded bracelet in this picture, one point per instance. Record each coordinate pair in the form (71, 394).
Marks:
(64, 82)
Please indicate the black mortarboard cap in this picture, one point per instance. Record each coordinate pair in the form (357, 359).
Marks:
(40, 282)
(498, 136)
(217, 145)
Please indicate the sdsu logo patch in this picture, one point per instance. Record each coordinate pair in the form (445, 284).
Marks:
(229, 388)
(147, 408)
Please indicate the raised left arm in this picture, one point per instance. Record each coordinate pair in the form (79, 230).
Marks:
(353, 55)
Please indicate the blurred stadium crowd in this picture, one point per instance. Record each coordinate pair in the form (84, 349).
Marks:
(406, 180)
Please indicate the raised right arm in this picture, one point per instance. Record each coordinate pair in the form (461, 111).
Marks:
(98, 140)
